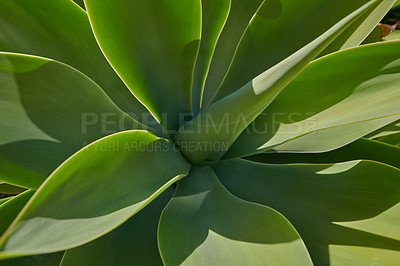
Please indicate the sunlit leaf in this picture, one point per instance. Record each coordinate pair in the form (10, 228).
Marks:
(347, 213)
(153, 46)
(327, 106)
(93, 192)
(133, 243)
(250, 100)
(60, 30)
(52, 111)
(204, 224)
(360, 149)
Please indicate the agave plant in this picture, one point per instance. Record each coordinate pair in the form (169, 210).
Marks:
(204, 132)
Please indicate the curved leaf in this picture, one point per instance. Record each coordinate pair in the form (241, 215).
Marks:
(361, 149)
(93, 192)
(206, 225)
(360, 29)
(250, 100)
(133, 243)
(10, 209)
(214, 16)
(280, 28)
(152, 45)
(60, 30)
(330, 104)
(51, 111)
(347, 213)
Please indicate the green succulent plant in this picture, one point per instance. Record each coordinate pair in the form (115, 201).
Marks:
(198, 132)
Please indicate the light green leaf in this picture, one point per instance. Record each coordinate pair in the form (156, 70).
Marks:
(328, 106)
(10, 209)
(133, 243)
(227, 123)
(10, 189)
(50, 111)
(153, 46)
(214, 18)
(347, 213)
(278, 30)
(94, 192)
(206, 225)
(60, 30)
(360, 149)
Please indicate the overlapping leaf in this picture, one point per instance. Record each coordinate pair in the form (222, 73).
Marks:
(60, 30)
(360, 149)
(133, 243)
(250, 100)
(50, 111)
(214, 18)
(10, 209)
(347, 213)
(328, 106)
(206, 225)
(153, 46)
(93, 192)
(277, 30)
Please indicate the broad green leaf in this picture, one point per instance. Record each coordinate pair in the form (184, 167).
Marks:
(204, 224)
(60, 30)
(153, 46)
(396, 3)
(10, 189)
(52, 259)
(50, 111)
(10, 209)
(227, 123)
(347, 213)
(214, 16)
(133, 243)
(360, 149)
(330, 104)
(93, 192)
(279, 29)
